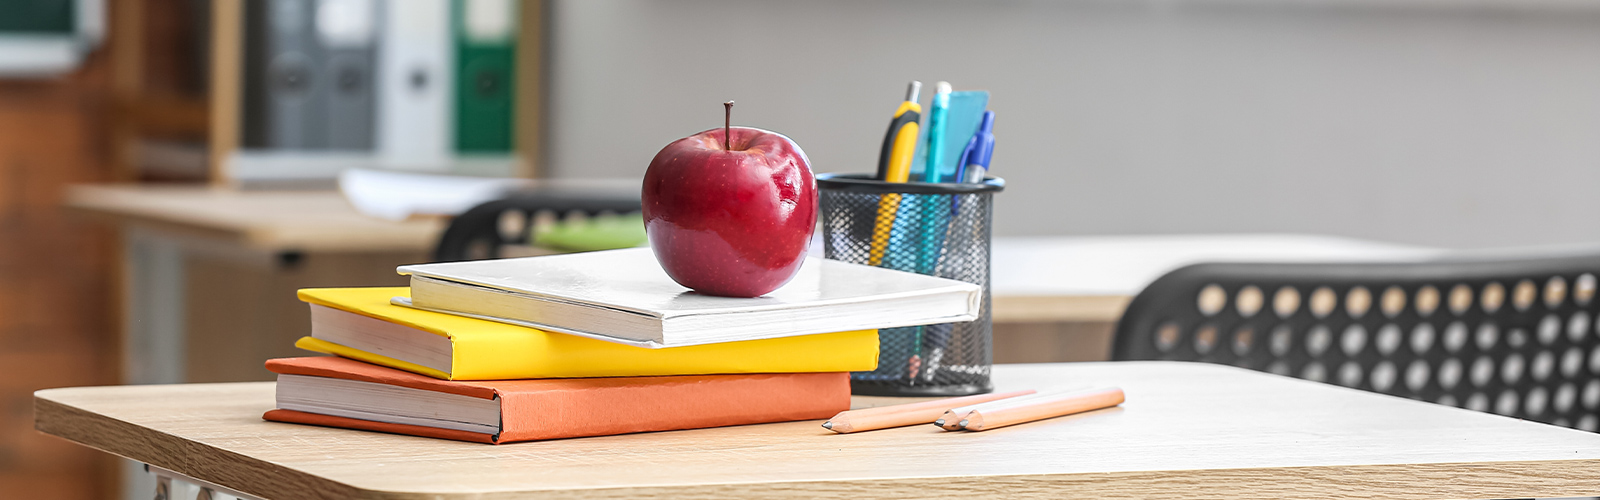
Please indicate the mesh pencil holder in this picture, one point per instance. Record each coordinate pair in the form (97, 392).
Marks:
(935, 229)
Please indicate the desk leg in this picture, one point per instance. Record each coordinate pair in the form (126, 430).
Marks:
(153, 309)
(153, 339)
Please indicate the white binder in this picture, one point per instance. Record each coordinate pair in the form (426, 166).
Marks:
(414, 89)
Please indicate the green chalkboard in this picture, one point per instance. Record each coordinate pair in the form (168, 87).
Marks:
(37, 16)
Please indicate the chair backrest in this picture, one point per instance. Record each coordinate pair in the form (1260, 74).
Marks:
(1517, 337)
(480, 233)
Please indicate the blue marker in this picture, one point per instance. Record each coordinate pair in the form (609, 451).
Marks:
(938, 110)
(932, 226)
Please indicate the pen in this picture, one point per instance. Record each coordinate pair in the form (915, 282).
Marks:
(971, 168)
(928, 258)
(939, 108)
(894, 165)
(975, 158)
(894, 162)
(928, 205)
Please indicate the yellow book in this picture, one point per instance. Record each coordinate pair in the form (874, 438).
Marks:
(361, 324)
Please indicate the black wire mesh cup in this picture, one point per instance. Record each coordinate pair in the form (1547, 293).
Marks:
(935, 229)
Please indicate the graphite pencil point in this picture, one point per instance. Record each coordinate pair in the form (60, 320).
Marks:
(827, 425)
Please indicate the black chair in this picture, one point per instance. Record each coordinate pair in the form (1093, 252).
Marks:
(1516, 337)
(482, 231)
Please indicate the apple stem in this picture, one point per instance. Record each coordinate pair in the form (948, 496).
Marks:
(727, 124)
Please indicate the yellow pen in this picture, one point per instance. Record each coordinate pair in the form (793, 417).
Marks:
(894, 165)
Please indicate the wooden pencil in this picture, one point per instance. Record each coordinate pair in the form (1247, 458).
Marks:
(883, 417)
(951, 419)
(1042, 408)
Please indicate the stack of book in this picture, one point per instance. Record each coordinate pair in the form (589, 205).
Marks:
(594, 344)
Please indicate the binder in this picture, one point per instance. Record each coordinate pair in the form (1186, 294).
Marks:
(346, 31)
(485, 41)
(285, 95)
(414, 85)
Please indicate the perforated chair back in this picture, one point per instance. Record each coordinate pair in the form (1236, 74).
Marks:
(482, 231)
(1516, 337)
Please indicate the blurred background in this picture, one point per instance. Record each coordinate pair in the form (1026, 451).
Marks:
(172, 170)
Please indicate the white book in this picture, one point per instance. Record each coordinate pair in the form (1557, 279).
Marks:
(624, 296)
(415, 80)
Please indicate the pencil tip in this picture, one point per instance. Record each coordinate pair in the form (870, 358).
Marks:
(939, 422)
(963, 423)
(828, 425)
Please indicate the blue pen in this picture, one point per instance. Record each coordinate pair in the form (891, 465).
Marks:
(974, 165)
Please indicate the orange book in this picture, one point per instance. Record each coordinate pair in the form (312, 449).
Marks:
(338, 392)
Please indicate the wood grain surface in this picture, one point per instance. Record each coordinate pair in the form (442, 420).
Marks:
(1060, 307)
(1186, 431)
(275, 221)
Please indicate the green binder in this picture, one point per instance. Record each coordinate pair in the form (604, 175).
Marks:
(485, 49)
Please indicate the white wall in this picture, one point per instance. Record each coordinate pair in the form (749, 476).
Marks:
(1409, 121)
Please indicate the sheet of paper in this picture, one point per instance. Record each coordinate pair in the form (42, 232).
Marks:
(398, 195)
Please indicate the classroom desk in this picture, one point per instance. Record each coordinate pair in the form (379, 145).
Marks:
(209, 273)
(1187, 431)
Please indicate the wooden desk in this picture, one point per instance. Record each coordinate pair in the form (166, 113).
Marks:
(270, 221)
(209, 274)
(1187, 431)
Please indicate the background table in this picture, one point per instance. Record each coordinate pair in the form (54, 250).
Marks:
(1187, 430)
(211, 274)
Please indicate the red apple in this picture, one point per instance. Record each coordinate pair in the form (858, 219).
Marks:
(730, 211)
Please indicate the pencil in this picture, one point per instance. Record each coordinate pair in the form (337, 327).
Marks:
(951, 420)
(884, 417)
(1043, 408)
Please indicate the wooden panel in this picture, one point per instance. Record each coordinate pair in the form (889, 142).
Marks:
(1187, 431)
(308, 221)
(1064, 307)
(1052, 342)
(226, 84)
(530, 89)
(54, 274)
